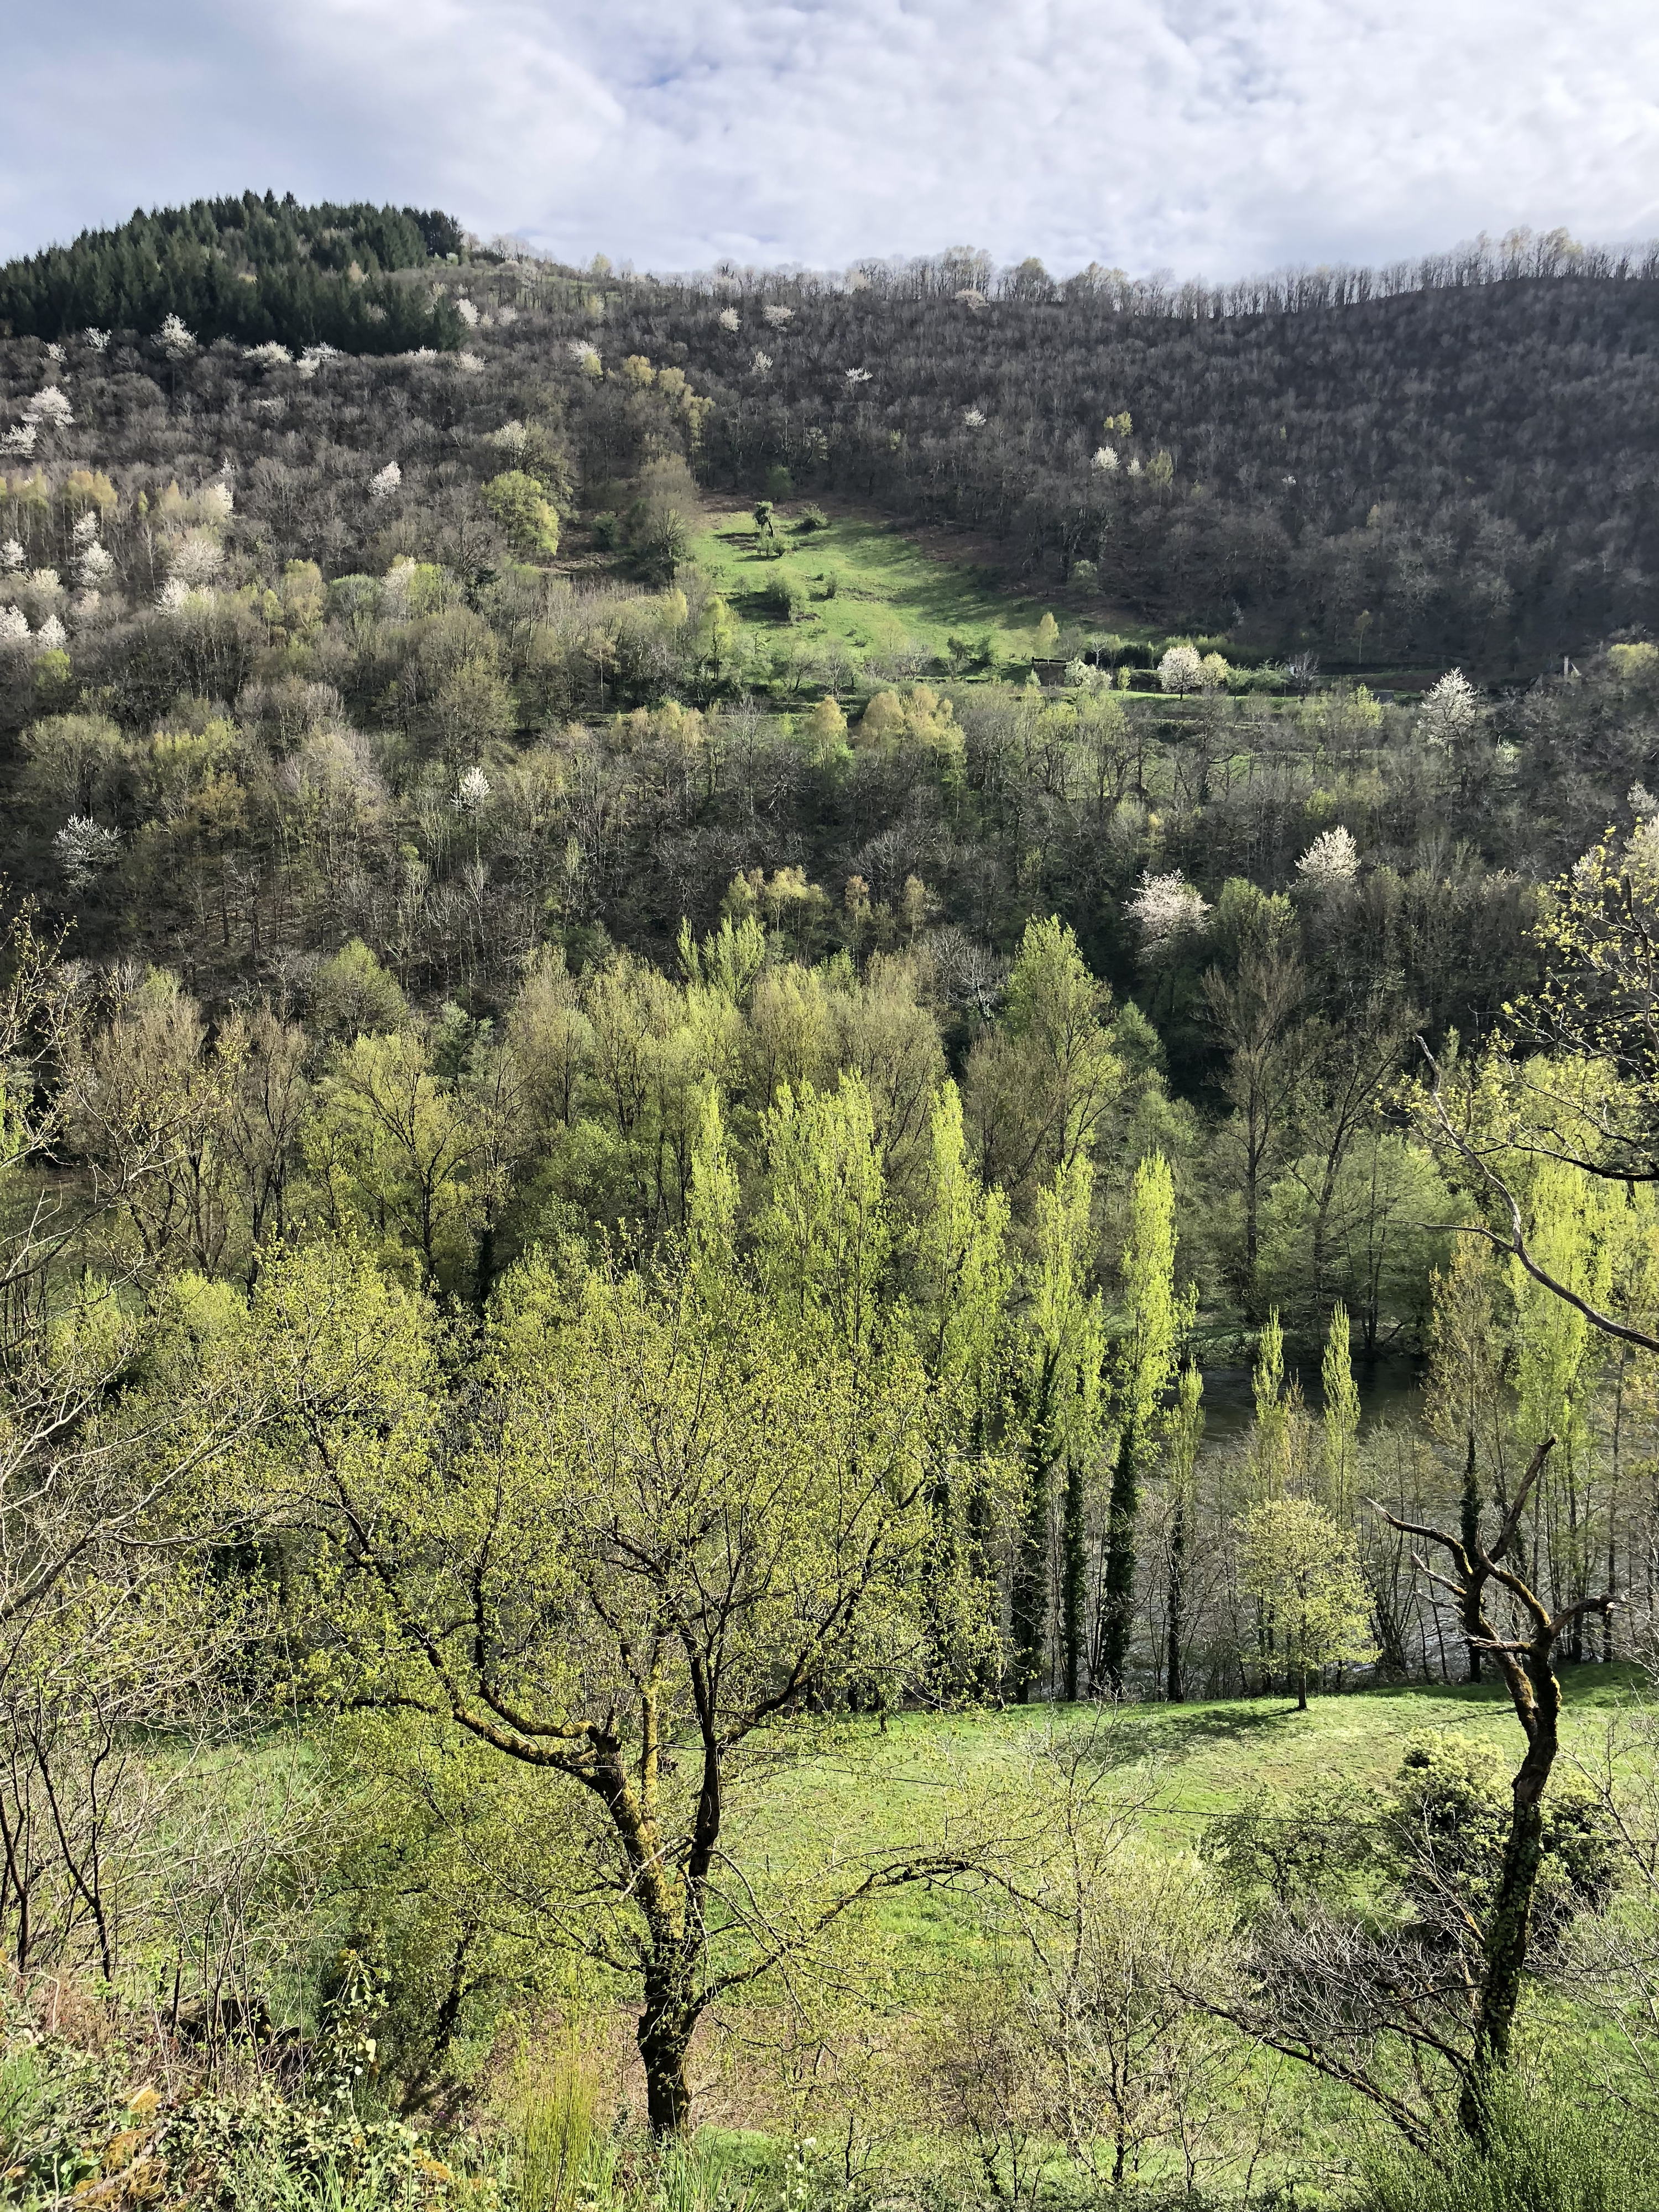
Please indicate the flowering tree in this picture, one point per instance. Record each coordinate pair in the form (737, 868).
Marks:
(1450, 710)
(471, 791)
(95, 567)
(778, 315)
(175, 341)
(729, 319)
(1105, 460)
(13, 627)
(762, 361)
(467, 311)
(85, 849)
(1182, 670)
(385, 483)
(49, 409)
(1331, 861)
(1166, 909)
(195, 559)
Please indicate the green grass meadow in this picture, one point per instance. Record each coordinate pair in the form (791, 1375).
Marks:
(1174, 1768)
(889, 595)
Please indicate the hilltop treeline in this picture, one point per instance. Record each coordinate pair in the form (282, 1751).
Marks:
(1463, 469)
(258, 270)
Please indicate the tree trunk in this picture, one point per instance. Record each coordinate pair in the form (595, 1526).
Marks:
(1120, 1562)
(1469, 1529)
(1073, 1574)
(1177, 1592)
(664, 2036)
(1507, 1936)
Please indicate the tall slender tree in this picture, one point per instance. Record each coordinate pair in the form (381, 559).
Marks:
(1155, 1320)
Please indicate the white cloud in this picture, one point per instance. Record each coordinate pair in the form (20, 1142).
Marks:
(1211, 137)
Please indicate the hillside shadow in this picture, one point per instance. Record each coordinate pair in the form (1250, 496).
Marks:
(1176, 1733)
(909, 582)
(1137, 1733)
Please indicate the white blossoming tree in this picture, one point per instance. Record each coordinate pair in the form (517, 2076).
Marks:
(85, 850)
(1105, 460)
(95, 568)
(174, 340)
(20, 439)
(11, 556)
(195, 559)
(270, 354)
(52, 636)
(49, 408)
(467, 311)
(13, 627)
(729, 319)
(385, 483)
(1164, 910)
(1450, 711)
(473, 791)
(1182, 670)
(1331, 862)
(778, 316)
(762, 361)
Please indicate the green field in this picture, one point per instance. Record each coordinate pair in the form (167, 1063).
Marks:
(1173, 1768)
(889, 595)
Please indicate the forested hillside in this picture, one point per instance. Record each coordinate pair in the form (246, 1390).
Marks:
(770, 1155)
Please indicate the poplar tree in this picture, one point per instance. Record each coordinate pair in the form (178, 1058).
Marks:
(1185, 1433)
(1062, 1395)
(1157, 1319)
(1341, 1419)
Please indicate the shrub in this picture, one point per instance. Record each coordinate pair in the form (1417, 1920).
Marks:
(783, 597)
(1541, 2155)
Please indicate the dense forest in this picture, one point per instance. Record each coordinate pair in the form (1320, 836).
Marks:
(802, 1404)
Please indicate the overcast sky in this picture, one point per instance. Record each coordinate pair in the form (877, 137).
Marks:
(1211, 137)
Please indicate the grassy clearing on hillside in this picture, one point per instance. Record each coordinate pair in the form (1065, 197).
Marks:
(1178, 1766)
(889, 598)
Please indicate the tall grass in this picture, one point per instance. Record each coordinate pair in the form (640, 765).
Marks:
(562, 2155)
(1543, 2155)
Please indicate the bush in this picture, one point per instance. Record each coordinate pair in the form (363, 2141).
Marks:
(779, 484)
(782, 596)
(812, 518)
(1543, 2155)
